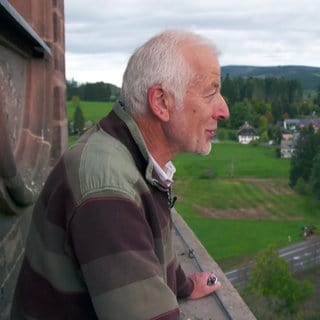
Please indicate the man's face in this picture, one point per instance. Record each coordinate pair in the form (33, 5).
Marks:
(191, 128)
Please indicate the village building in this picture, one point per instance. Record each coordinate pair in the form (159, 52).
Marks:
(287, 145)
(247, 134)
(315, 122)
(291, 129)
(291, 124)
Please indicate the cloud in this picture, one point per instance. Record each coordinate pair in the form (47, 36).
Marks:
(101, 35)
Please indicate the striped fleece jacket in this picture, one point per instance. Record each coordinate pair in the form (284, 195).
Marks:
(100, 241)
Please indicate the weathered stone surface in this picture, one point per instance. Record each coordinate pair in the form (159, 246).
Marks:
(209, 307)
(13, 232)
(33, 124)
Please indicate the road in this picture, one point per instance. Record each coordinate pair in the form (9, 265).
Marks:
(301, 256)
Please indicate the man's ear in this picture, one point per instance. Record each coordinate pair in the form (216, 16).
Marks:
(159, 101)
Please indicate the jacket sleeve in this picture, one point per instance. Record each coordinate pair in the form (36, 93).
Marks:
(113, 244)
(184, 284)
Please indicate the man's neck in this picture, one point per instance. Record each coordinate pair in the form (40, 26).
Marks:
(155, 139)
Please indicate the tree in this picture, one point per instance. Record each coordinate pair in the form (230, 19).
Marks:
(317, 99)
(240, 113)
(98, 91)
(271, 278)
(315, 173)
(263, 122)
(72, 88)
(315, 176)
(78, 119)
(229, 90)
(302, 159)
(275, 133)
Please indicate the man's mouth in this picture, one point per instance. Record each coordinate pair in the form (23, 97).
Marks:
(212, 132)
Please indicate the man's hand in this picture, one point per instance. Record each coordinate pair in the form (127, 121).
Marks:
(201, 285)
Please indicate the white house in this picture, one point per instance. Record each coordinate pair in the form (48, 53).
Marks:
(247, 133)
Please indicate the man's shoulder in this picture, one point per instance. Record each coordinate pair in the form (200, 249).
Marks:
(102, 165)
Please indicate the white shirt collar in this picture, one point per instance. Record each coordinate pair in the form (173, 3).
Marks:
(166, 174)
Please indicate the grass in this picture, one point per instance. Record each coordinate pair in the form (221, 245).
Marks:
(230, 239)
(273, 199)
(72, 140)
(237, 201)
(91, 110)
(235, 160)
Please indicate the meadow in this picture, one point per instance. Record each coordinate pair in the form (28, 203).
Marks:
(236, 200)
(91, 110)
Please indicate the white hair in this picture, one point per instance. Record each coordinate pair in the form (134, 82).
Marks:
(159, 61)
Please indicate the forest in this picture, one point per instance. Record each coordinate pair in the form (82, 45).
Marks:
(268, 100)
(98, 91)
(262, 102)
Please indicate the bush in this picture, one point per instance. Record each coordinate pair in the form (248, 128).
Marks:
(272, 279)
(315, 176)
(233, 135)
(302, 187)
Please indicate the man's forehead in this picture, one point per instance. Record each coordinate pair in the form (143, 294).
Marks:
(201, 57)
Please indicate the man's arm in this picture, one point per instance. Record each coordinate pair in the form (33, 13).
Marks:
(114, 246)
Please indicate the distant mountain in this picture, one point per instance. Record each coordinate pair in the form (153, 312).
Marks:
(308, 76)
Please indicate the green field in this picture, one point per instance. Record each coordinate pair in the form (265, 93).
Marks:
(91, 110)
(237, 199)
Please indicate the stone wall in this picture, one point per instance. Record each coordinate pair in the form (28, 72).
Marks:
(33, 123)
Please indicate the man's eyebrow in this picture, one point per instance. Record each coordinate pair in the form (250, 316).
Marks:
(214, 85)
(217, 85)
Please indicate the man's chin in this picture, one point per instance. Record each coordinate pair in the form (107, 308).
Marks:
(205, 151)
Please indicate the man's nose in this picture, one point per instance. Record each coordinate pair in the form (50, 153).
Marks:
(222, 110)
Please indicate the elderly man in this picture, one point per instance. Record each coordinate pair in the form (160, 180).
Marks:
(100, 243)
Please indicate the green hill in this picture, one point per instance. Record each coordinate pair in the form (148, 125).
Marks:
(308, 76)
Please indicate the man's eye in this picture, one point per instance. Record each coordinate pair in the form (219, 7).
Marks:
(212, 93)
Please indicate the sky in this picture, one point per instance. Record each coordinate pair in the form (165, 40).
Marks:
(102, 34)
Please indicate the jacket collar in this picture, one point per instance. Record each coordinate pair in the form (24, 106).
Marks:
(123, 127)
